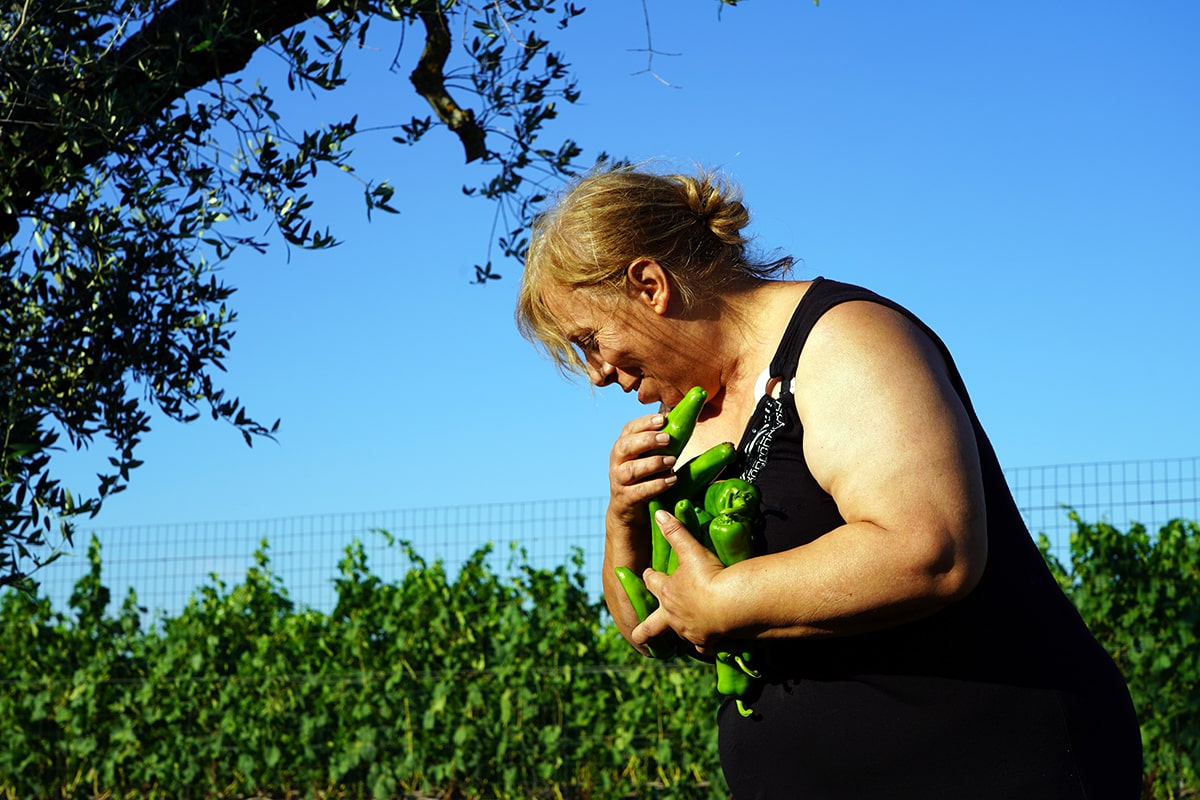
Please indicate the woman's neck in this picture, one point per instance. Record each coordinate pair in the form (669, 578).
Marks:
(753, 322)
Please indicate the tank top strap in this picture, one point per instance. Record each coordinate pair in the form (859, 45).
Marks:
(775, 423)
(823, 295)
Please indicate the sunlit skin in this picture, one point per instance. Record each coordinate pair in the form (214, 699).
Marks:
(885, 435)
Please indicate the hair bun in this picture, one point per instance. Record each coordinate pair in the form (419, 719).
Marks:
(717, 205)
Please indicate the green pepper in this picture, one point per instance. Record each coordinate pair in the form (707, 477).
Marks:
(660, 548)
(729, 505)
(732, 538)
(732, 496)
(734, 505)
(734, 681)
(743, 662)
(644, 604)
(681, 421)
(695, 520)
(692, 477)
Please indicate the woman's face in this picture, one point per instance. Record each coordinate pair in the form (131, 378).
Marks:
(623, 339)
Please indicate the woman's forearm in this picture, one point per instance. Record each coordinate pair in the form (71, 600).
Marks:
(854, 579)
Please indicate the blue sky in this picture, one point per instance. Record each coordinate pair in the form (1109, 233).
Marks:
(1025, 178)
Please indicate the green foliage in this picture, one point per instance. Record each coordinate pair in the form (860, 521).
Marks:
(137, 160)
(477, 683)
(1137, 593)
(467, 685)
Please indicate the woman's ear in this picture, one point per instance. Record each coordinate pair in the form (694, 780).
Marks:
(650, 284)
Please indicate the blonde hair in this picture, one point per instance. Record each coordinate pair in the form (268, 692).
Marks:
(692, 225)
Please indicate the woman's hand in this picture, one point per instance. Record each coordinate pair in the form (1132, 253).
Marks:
(688, 598)
(634, 478)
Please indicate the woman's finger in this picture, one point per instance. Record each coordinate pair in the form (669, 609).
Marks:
(628, 473)
(651, 628)
(679, 537)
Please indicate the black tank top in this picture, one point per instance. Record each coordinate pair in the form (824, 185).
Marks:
(1003, 694)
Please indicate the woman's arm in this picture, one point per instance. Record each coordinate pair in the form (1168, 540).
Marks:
(634, 478)
(887, 436)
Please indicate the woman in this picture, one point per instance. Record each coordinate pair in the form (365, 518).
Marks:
(915, 645)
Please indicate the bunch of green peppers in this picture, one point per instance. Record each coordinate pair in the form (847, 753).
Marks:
(721, 515)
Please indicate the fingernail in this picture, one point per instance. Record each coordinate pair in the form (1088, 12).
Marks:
(670, 479)
(662, 515)
(659, 419)
(668, 461)
(663, 438)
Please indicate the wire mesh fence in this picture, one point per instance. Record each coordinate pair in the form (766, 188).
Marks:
(1151, 492)
(167, 564)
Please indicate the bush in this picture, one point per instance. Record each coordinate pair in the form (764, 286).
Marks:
(1137, 593)
(465, 686)
(471, 686)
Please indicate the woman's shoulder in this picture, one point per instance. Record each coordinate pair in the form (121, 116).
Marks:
(865, 331)
(822, 313)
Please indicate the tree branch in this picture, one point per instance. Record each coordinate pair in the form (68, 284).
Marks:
(430, 82)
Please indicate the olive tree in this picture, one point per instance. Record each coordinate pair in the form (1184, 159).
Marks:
(134, 150)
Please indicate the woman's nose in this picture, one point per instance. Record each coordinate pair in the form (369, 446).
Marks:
(600, 372)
